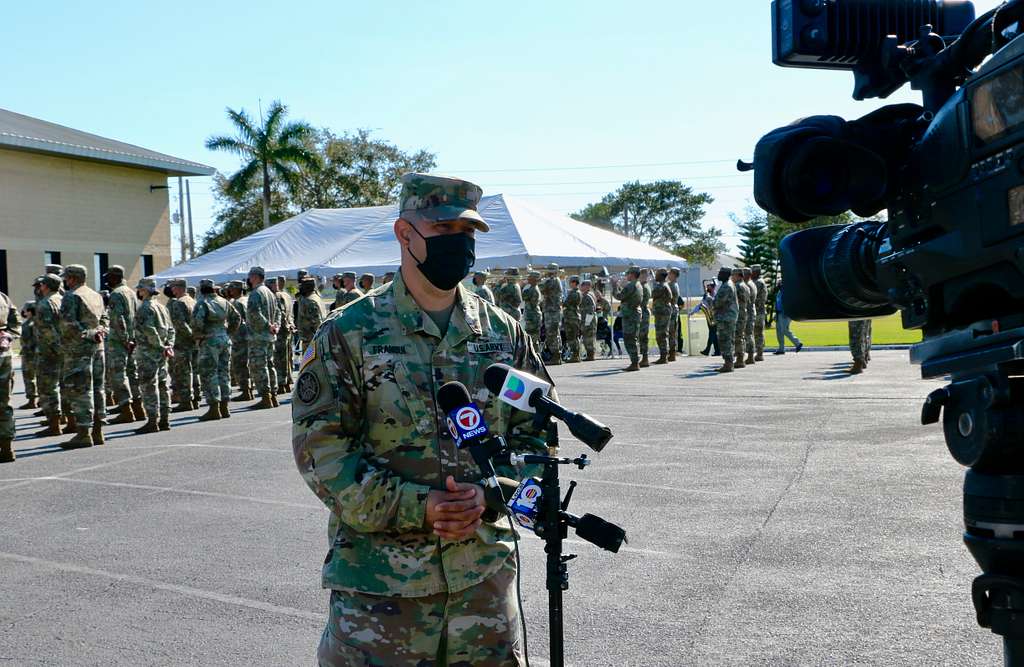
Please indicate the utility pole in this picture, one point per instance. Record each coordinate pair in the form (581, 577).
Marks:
(191, 239)
(181, 217)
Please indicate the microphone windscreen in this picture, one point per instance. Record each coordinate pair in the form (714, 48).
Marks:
(453, 395)
(494, 377)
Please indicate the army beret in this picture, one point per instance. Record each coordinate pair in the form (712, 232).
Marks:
(349, 274)
(76, 270)
(258, 271)
(115, 270)
(52, 281)
(147, 284)
(206, 282)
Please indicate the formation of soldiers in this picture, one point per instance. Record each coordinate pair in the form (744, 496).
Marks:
(129, 353)
(739, 312)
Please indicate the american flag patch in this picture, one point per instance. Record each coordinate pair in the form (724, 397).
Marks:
(308, 356)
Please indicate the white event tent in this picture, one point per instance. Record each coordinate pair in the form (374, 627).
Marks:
(326, 241)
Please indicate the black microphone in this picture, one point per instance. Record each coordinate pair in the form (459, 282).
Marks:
(588, 430)
(467, 426)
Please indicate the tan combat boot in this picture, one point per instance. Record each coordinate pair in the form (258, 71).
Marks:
(858, 367)
(750, 358)
(224, 413)
(212, 413)
(52, 427)
(644, 363)
(759, 356)
(97, 431)
(149, 427)
(264, 404)
(590, 356)
(138, 410)
(662, 359)
(6, 451)
(164, 424)
(72, 426)
(127, 415)
(726, 367)
(273, 400)
(672, 355)
(82, 439)
(183, 406)
(739, 362)
(632, 367)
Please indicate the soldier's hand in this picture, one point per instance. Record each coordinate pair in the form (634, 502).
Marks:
(455, 514)
(130, 347)
(169, 352)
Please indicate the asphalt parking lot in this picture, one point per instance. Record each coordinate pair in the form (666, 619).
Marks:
(782, 514)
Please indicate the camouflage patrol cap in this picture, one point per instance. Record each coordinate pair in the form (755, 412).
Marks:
(755, 267)
(633, 269)
(389, 275)
(574, 279)
(512, 271)
(258, 271)
(349, 274)
(29, 307)
(236, 284)
(53, 268)
(115, 270)
(368, 275)
(282, 280)
(178, 282)
(586, 283)
(746, 271)
(300, 274)
(207, 283)
(480, 274)
(147, 284)
(552, 268)
(533, 274)
(190, 290)
(440, 199)
(737, 271)
(675, 269)
(337, 276)
(52, 280)
(662, 272)
(37, 281)
(74, 270)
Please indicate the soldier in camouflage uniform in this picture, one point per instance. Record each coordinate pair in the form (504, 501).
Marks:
(860, 345)
(510, 295)
(643, 333)
(180, 308)
(630, 294)
(240, 342)
(480, 286)
(661, 308)
(740, 334)
(10, 328)
(421, 566)
(263, 319)
(533, 316)
(29, 355)
(49, 353)
(124, 383)
(348, 291)
(551, 294)
(588, 319)
(760, 310)
(211, 320)
(726, 309)
(366, 282)
(571, 318)
(154, 345)
(748, 333)
(83, 327)
(673, 322)
(309, 312)
(283, 342)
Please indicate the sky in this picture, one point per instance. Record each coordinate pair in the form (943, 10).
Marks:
(560, 101)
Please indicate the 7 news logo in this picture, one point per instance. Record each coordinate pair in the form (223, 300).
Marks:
(466, 423)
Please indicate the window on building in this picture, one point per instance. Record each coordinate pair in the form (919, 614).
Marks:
(147, 265)
(3, 272)
(99, 265)
(51, 257)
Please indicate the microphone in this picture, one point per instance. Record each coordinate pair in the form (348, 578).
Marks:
(467, 426)
(519, 389)
(525, 506)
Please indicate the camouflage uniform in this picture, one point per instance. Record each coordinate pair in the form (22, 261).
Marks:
(283, 342)
(860, 340)
(532, 315)
(240, 342)
(481, 289)
(643, 333)
(588, 322)
(310, 313)
(726, 312)
(123, 380)
(8, 332)
(630, 294)
(83, 318)
(760, 312)
(180, 310)
(260, 314)
(551, 291)
(748, 332)
(370, 442)
(661, 306)
(571, 319)
(343, 297)
(29, 355)
(510, 295)
(673, 322)
(154, 332)
(210, 321)
(48, 349)
(740, 330)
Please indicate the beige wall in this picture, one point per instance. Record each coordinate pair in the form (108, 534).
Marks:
(79, 208)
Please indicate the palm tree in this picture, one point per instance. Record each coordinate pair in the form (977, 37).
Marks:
(272, 147)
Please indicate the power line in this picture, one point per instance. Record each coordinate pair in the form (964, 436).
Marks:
(678, 178)
(585, 168)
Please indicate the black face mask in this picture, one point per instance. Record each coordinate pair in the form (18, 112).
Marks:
(449, 259)
(168, 293)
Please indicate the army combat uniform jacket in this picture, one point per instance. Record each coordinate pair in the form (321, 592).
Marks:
(371, 442)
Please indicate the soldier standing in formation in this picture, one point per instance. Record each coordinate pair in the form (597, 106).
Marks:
(9, 330)
(760, 311)
(180, 308)
(240, 341)
(661, 306)
(348, 292)
(551, 291)
(29, 354)
(643, 333)
(726, 309)
(309, 312)
(366, 282)
(262, 319)
(571, 318)
(510, 296)
(211, 320)
(588, 319)
(83, 327)
(673, 323)
(630, 294)
(532, 314)
(49, 354)
(283, 342)
(751, 314)
(154, 345)
(860, 345)
(124, 383)
(740, 334)
(480, 287)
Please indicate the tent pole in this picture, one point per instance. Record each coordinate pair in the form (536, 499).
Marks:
(687, 310)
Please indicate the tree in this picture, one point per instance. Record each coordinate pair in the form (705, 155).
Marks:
(664, 213)
(272, 147)
(239, 216)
